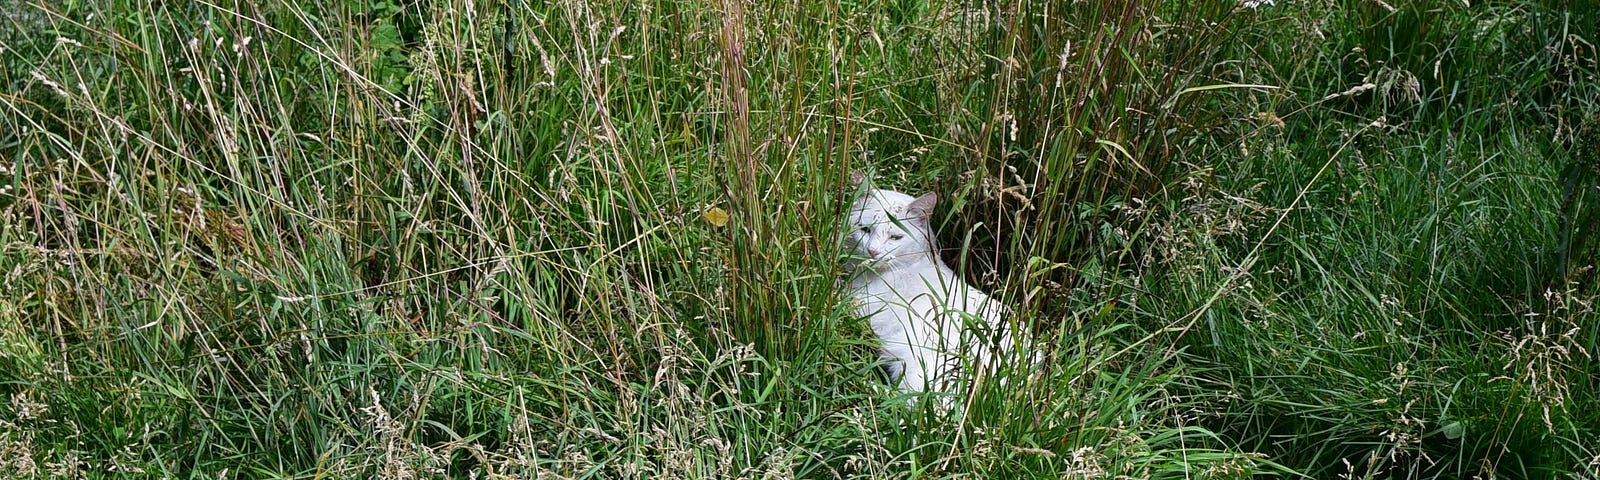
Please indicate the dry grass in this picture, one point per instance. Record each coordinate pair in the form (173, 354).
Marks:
(599, 239)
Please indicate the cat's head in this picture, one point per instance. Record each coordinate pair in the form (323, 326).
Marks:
(889, 227)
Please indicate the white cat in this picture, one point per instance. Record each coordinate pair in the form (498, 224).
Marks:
(928, 319)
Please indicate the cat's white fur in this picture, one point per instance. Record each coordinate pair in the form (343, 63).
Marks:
(930, 321)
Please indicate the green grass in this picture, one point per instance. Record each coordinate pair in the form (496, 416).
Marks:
(475, 239)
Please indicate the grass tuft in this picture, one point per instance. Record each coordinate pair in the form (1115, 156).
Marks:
(600, 239)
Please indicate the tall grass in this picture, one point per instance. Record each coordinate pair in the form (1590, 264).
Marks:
(600, 239)
(1417, 312)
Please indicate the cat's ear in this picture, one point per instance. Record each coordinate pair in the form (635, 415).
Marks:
(921, 209)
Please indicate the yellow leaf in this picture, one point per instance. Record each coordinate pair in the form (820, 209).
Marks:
(715, 216)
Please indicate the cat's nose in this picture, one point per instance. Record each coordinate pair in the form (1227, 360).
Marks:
(873, 251)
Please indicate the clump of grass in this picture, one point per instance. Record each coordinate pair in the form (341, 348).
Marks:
(1401, 320)
(574, 239)
(413, 240)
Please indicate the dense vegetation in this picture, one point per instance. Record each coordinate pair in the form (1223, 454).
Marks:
(473, 239)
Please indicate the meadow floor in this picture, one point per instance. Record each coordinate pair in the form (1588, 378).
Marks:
(566, 239)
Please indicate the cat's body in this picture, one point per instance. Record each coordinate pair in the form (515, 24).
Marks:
(930, 321)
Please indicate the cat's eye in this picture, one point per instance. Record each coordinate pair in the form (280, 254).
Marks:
(896, 236)
(866, 229)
